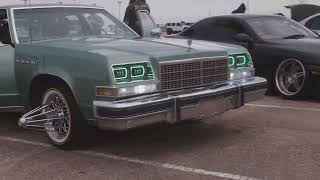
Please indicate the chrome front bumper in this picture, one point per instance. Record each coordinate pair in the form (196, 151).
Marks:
(172, 107)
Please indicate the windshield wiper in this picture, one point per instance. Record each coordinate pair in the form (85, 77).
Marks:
(296, 36)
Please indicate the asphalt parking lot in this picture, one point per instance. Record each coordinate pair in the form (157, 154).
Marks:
(269, 139)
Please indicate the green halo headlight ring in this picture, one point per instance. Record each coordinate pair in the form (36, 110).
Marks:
(150, 71)
(120, 73)
(239, 60)
(231, 61)
(242, 60)
(126, 73)
(137, 71)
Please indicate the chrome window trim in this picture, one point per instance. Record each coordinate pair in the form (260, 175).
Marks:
(14, 30)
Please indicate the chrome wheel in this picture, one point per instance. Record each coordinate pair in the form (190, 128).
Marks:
(61, 129)
(290, 77)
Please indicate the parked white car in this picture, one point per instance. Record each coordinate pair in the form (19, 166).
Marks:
(173, 28)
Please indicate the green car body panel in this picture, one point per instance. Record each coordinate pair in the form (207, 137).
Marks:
(85, 63)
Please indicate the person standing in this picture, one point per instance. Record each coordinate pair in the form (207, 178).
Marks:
(131, 18)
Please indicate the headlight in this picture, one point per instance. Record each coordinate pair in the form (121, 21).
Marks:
(125, 73)
(242, 73)
(126, 91)
(128, 74)
(239, 60)
(241, 66)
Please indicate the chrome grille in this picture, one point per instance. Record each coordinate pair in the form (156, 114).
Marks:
(191, 73)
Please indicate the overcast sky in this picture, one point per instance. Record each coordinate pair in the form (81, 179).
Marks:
(186, 10)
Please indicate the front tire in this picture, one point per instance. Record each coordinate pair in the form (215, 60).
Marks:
(68, 132)
(292, 79)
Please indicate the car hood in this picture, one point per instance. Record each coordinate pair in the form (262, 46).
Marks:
(162, 49)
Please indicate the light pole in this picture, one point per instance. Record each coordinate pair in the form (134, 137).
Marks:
(248, 6)
(119, 4)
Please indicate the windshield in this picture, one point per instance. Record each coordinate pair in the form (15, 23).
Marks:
(53, 23)
(278, 28)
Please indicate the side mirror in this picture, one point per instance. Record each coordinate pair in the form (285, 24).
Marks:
(156, 32)
(242, 37)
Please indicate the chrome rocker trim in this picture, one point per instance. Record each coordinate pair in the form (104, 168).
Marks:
(172, 107)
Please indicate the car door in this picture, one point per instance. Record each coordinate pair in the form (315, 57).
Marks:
(314, 24)
(147, 23)
(9, 98)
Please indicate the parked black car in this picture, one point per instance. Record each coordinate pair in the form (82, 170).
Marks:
(283, 51)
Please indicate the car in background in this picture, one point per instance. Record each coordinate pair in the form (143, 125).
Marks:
(174, 28)
(283, 51)
(307, 14)
(73, 66)
(313, 23)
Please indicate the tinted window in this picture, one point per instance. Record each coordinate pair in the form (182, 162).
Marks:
(200, 30)
(215, 30)
(3, 14)
(278, 28)
(314, 23)
(225, 30)
(5, 37)
(173, 24)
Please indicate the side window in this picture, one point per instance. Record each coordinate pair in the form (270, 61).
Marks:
(5, 37)
(201, 30)
(225, 30)
(178, 24)
(314, 23)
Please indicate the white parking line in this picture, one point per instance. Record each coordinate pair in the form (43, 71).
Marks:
(282, 107)
(141, 162)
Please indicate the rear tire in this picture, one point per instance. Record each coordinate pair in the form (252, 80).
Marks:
(169, 31)
(69, 132)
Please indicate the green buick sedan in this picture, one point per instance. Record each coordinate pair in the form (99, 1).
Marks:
(69, 67)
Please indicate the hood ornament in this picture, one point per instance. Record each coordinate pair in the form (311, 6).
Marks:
(189, 42)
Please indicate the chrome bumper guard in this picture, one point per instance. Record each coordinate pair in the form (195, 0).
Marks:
(172, 107)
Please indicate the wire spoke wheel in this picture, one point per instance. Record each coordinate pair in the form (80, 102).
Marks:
(61, 128)
(290, 77)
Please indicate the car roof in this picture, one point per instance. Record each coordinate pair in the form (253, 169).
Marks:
(245, 16)
(47, 6)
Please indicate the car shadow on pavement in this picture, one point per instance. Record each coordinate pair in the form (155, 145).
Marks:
(150, 139)
(162, 138)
